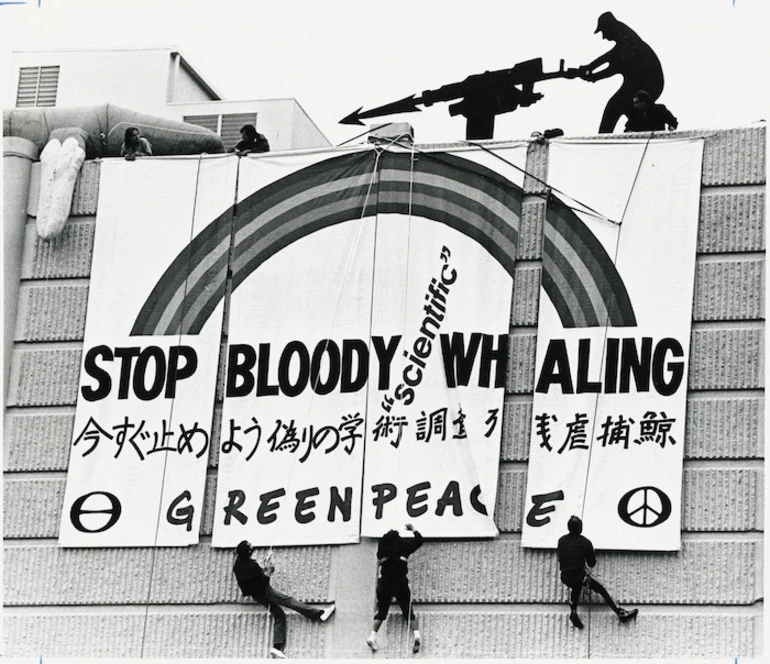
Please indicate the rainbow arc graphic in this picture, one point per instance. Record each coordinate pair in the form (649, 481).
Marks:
(578, 275)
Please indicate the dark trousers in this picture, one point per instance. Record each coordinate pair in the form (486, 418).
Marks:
(274, 599)
(386, 591)
(576, 580)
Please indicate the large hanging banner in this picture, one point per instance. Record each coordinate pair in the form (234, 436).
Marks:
(613, 344)
(367, 345)
(142, 429)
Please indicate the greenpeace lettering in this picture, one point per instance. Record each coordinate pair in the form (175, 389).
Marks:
(628, 366)
(308, 505)
(418, 499)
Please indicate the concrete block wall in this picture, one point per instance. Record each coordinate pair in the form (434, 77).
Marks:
(474, 598)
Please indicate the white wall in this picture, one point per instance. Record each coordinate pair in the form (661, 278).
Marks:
(187, 89)
(135, 79)
(283, 121)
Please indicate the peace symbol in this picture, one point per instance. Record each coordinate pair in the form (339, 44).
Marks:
(651, 507)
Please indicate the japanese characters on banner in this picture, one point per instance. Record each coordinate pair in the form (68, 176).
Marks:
(434, 444)
(367, 346)
(145, 402)
(613, 344)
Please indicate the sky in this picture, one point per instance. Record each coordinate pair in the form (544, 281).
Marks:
(334, 56)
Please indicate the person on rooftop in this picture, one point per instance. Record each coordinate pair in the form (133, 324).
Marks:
(647, 116)
(135, 145)
(251, 141)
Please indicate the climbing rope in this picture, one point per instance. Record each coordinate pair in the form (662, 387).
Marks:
(601, 364)
(153, 554)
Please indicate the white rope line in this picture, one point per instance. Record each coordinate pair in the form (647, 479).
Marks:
(601, 364)
(170, 417)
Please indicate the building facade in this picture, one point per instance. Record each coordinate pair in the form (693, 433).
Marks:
(476, 598)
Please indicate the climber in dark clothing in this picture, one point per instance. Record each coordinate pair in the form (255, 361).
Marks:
(630, 57)
(647, 116)
(255, 581)
(575, 552)
(392, 554)
(251, 141)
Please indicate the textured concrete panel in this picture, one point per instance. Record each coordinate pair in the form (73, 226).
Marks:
(160, 633)
(657, 634)
(122, 576)
(209, 499)
(537, 168)
(301, 571)
(248, 634)
(714, 571)
(710, 497)
(708, 504)
(734, 156)
(485, 633)
(216, 433)
(731, 221)
(472, 634)
(69, 255)
(531, 230)
(729, 359)
(32, 507)
(511, 498)
(86, 195)
(44, 377)
(729, 290)
(52, 312)
(725, 426)
(718, 571)
(517, 420)
(219, 393)
(521, 362)
(39, 441)
(66, 635)
(526, 295)
(40, 575)
(354, 580)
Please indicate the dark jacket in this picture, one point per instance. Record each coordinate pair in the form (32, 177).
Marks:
(394, 566)
(653, 118)
(258, 144)
(251, 578)
(574, 552)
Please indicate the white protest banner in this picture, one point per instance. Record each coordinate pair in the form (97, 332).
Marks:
(613, 344)
(142, 430)
(333, 268)
(444, 290)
